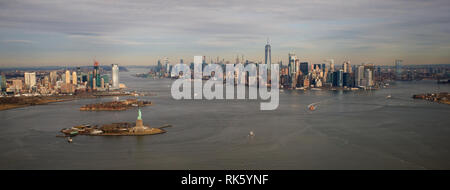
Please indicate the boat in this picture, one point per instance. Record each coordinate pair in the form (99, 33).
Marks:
(251, 134)
(316, 89)
(388, 96)
(96, 132)
(73, 133)
(69, 140)
(311, 107)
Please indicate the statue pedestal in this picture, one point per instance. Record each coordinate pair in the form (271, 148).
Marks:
(139, 128)
(139, 123)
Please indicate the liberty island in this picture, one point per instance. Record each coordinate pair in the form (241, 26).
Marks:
(116, 129)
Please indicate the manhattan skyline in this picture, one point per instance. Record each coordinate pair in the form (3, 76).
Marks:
(54, 33)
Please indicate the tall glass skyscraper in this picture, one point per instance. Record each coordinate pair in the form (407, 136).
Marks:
(292, 58)
(304, 68)
(115, 76)
(398, 68)
(268, 56)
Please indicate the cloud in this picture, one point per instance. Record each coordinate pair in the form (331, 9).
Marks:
(231, 24)
(102, 39)
(19, 41)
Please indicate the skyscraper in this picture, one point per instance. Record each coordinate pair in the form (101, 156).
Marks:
(369, 77)
(74, 78)
(268, 57)
(96, 75)
(2, 82)
(166, 64)
(115, 76)
(291, 65)
(331, 61)
(159, 66)
(398, 68)
(30, 79)
(346, 67)
(53, 77)
(360, 76)
(304, 68)
(67, 77)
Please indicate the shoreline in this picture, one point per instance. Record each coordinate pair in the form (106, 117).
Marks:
(7, 103)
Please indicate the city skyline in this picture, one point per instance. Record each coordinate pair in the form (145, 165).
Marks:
(48, 33)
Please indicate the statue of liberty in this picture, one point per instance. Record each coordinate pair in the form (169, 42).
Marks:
(139, 115)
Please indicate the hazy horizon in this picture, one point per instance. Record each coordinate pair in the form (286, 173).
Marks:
(72, 33)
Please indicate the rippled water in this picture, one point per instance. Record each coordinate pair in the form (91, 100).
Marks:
(349, 130)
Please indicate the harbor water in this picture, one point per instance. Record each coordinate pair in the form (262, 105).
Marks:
(347, 130)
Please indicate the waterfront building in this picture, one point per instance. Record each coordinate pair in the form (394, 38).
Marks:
(306, 82)
(159, 66)
(347, 80)
(96, 75)
(316, 67)
(292, 59)
(318, 82)
(338, 78)
(17, 85)
(359, 76)
(79, 74)
(46, 81)
(115, 76)
(30, 79)
(67, 77)
(74, 78)
(346, 67)
(2, 82)
(368, 76)
(304, 68)
(84, 78)
(331, 61)
(67, 88)
(53, 77)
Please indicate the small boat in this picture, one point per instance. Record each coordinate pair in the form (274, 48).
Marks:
(389, 96)
(251, 134)
(311, 107)
(69, 140)
(73, 133)
(96, 132)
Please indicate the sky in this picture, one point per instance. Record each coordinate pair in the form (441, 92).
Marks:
(72, 33)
